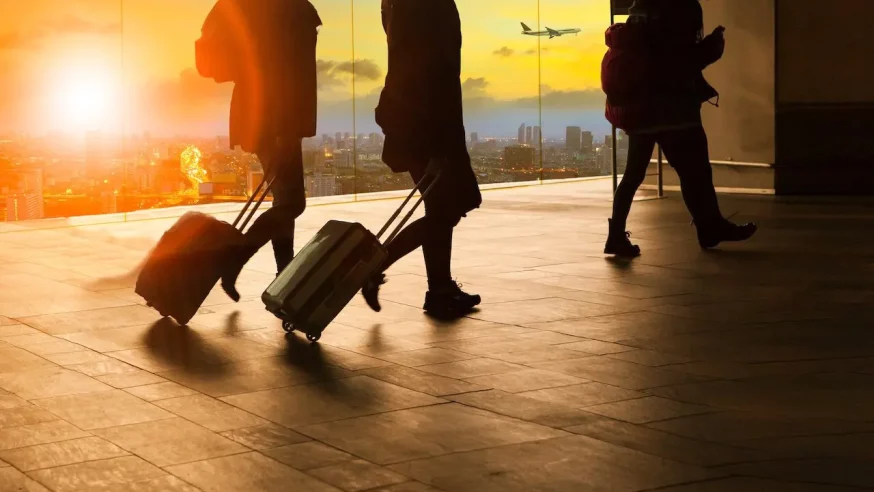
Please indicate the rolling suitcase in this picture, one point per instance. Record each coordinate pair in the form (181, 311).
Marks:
(328, 272)
(186, 264)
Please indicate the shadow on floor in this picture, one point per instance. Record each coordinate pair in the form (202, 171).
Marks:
(183, 347)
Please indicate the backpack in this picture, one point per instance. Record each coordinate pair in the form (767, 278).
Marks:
(216, 53)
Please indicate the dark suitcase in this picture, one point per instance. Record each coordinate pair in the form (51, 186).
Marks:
(186, 264)
(328, 272)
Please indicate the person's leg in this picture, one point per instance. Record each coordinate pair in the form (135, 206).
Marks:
(277, 223)
(640, 149)
(687, 151)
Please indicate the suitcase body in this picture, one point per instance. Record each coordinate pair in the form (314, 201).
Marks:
(324, 276)
(328, 272)
(186, 264)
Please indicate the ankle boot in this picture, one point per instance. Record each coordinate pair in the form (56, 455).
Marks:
(619, 244)
(710, 235)
(235, 259)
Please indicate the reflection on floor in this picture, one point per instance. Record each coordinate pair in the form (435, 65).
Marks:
(750, 368)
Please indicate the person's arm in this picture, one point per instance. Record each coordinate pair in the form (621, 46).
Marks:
(710, 49)
(411, 36)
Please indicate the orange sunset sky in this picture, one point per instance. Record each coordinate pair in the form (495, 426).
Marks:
(74, 65)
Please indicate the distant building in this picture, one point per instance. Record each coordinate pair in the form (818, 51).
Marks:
(535, 136)
(24, 206)
(343, 160)
(375, 140)
(573, 139)
(321, 185)
(314, 159)
(587, 144)
(474, 138)
(253, 179)
(519, 157)
(521, 139)
(108, 202)
(529, 135)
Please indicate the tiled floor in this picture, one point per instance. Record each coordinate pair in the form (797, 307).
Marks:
(750, 368)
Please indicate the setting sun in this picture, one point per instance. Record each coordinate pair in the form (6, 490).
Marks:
(85, 98)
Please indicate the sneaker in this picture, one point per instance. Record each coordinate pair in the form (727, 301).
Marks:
(450, 303)
(370, 291)
(619, 243)
(724, 231)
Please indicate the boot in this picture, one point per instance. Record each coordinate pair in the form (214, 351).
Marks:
(724, 231)
(235, 259)
(619, 244)
(370, 291)
(451, 302)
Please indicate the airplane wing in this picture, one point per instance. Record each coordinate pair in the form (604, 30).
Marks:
(525, 27)
(552, 33)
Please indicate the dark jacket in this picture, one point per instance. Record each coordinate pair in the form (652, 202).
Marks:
(276, 94)
(420, 106)
(653, 79)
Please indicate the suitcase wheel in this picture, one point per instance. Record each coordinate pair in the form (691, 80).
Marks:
(287, 326)
(314, 337)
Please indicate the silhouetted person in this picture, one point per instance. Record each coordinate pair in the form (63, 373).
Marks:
(272, 110)
(652, 75)
(420, 112)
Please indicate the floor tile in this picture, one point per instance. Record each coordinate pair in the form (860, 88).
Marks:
(423, 432)
(573, 463)
(529, 409)
(250, 471)
(266, 436)
(471, 368)
(44, 383)
(13, 480)
(308, 455)
(583, 395)
(61, 453)
(94, 474)
(160, 391)
(357, 475)
(209, 412)
(170, 442)
(102, 409)
(333, 400)
(423, 382)
(41, 433)
(526, 380)
(648, 409)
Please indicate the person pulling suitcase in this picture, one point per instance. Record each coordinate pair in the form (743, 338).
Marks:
(420, 112)
(268, 49)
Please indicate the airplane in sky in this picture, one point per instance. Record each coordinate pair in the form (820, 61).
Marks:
(552, 33)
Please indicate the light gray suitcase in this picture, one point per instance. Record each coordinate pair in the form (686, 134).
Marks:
(327, 273)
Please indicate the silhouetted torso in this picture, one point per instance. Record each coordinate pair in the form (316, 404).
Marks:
(421, 100)
(277, 94)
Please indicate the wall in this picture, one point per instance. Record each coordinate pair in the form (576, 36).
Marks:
(825, 112)
(742, 127)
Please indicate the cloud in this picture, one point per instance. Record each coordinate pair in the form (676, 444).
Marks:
(336, 74)
(503, 51)
(474, 87)
(32, 39)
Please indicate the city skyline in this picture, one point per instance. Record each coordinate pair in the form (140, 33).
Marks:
(108, 64)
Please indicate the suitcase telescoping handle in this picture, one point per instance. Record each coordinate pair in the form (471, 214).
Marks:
(433, 172)
(261, 192)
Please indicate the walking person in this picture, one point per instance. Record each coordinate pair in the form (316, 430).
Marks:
(652, 75)
(273, 108)
(420, 112)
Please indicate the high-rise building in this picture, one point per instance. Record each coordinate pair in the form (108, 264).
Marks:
(321, 185)
(344, 160)
(519, 157)
(573, 139)
(375, 139)
(474, 138)
(522, 135)
(24, 206)
(314, 159)
(347, 136)
(529, 135)
(338, 141)
(32, 182)
(587, 144)
(535, 136)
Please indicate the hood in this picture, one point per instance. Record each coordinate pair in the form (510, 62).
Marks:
(625, 36)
